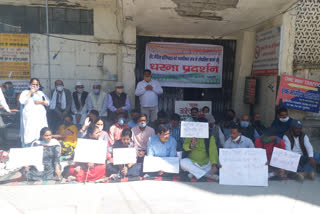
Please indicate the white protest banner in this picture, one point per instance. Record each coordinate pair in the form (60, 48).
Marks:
(185, 65)
(156, 164)
(194, 129)
(124, 156)
(243, 167)
(31, 156)
(90, 151)
(183, 108)
(285, 159)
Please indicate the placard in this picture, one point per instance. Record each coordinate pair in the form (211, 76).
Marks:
(183, 108)
(165, 164)
(194, 129)
(90, 151)
(124, 156)
(30, 156)
(284, 159)
(245, 167)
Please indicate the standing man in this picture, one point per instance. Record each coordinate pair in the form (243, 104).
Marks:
(60, 105)
(148, 91)
(96, 100)
(79, 107)
(118, 101)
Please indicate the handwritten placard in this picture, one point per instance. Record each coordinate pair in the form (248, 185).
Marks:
(243, 167)
(90, 151)
(124, 156)
(31, 156)
(194, 129)
(285, 159)
(165, 164)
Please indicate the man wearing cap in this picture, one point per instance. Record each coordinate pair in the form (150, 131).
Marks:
(298, 142)
(79, 107)
(96, 99)
(118, 101)
(60, 105)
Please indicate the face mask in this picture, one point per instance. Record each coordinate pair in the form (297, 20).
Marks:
(121, 121)
(36, 88)
(96, 91)
(119, 90)
(244, 124)
(59, 87)
(10, 90)
(142, 125)
(100, 128)
(284, 119)
(45, 142)
(79, 90)
(237, 138)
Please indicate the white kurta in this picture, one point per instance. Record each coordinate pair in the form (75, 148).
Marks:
(34, 115)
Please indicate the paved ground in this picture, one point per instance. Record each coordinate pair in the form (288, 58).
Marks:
(289, 197)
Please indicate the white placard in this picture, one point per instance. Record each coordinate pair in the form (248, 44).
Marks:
(124, 156)
(90, 151)
(165, 164)
(285, 159)
(31, 156)
(245, 167)
(194, 129)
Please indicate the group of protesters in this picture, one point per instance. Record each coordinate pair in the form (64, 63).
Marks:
(57, 124)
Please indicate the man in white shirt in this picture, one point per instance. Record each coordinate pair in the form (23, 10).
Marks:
(298, 142)
(96, 100)
(148, 91)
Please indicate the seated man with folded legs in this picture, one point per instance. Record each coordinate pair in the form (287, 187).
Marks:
(202, 159)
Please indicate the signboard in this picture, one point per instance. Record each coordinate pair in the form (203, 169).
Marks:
(165, 164)
(20, 157)
(90, 151)
(243, 167)
(300, 94)
(250, 91)
(268, 48)
(15, 60)
(285, 159)
(185, 65)
(124, 156)
(194, 129)
(183, 108)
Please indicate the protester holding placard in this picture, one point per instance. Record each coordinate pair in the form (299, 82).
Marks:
(237, 140)
(142, 133)
(202, 158)
(298, 142)
(269, 141)
(51, 158)
(148, 91)
(282, 123)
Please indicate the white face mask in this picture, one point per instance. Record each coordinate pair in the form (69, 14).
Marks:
(100, 128)
(237, 138)
(59, 87)
(284, 119)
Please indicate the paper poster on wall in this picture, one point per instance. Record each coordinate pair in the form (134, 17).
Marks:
(183, 108)
(15, 60)
(185, 65)
(300, 94)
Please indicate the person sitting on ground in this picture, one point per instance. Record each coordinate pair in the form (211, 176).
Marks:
(282, 123)
(125, 170)
(134, 118)
(175, 129)
(237, 140)
(247, 129)
(206, 114)
(229, 120)
(202, 159)
(117, 128)
(298, 142)
(258, 124)
(82, 172)
(162, 118)
(142, 133)
(268, 141)
(218, 135)
(92, 116)
(67, 133)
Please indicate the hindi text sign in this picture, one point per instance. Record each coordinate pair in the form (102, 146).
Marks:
(194, 129)
(90, 151)
(285, 159)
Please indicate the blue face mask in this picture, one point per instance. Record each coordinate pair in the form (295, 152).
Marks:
(43, 141)
(142, 125)
(96, 91)
(244, 124)
(121, 121)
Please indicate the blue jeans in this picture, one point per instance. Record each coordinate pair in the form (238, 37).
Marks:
(303, 164)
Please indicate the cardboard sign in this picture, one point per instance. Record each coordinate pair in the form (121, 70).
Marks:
(285, 159)
(194, 129)
(31, 156)
(156, 164)
(124, 156)
(90, 151)
(243, 167)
